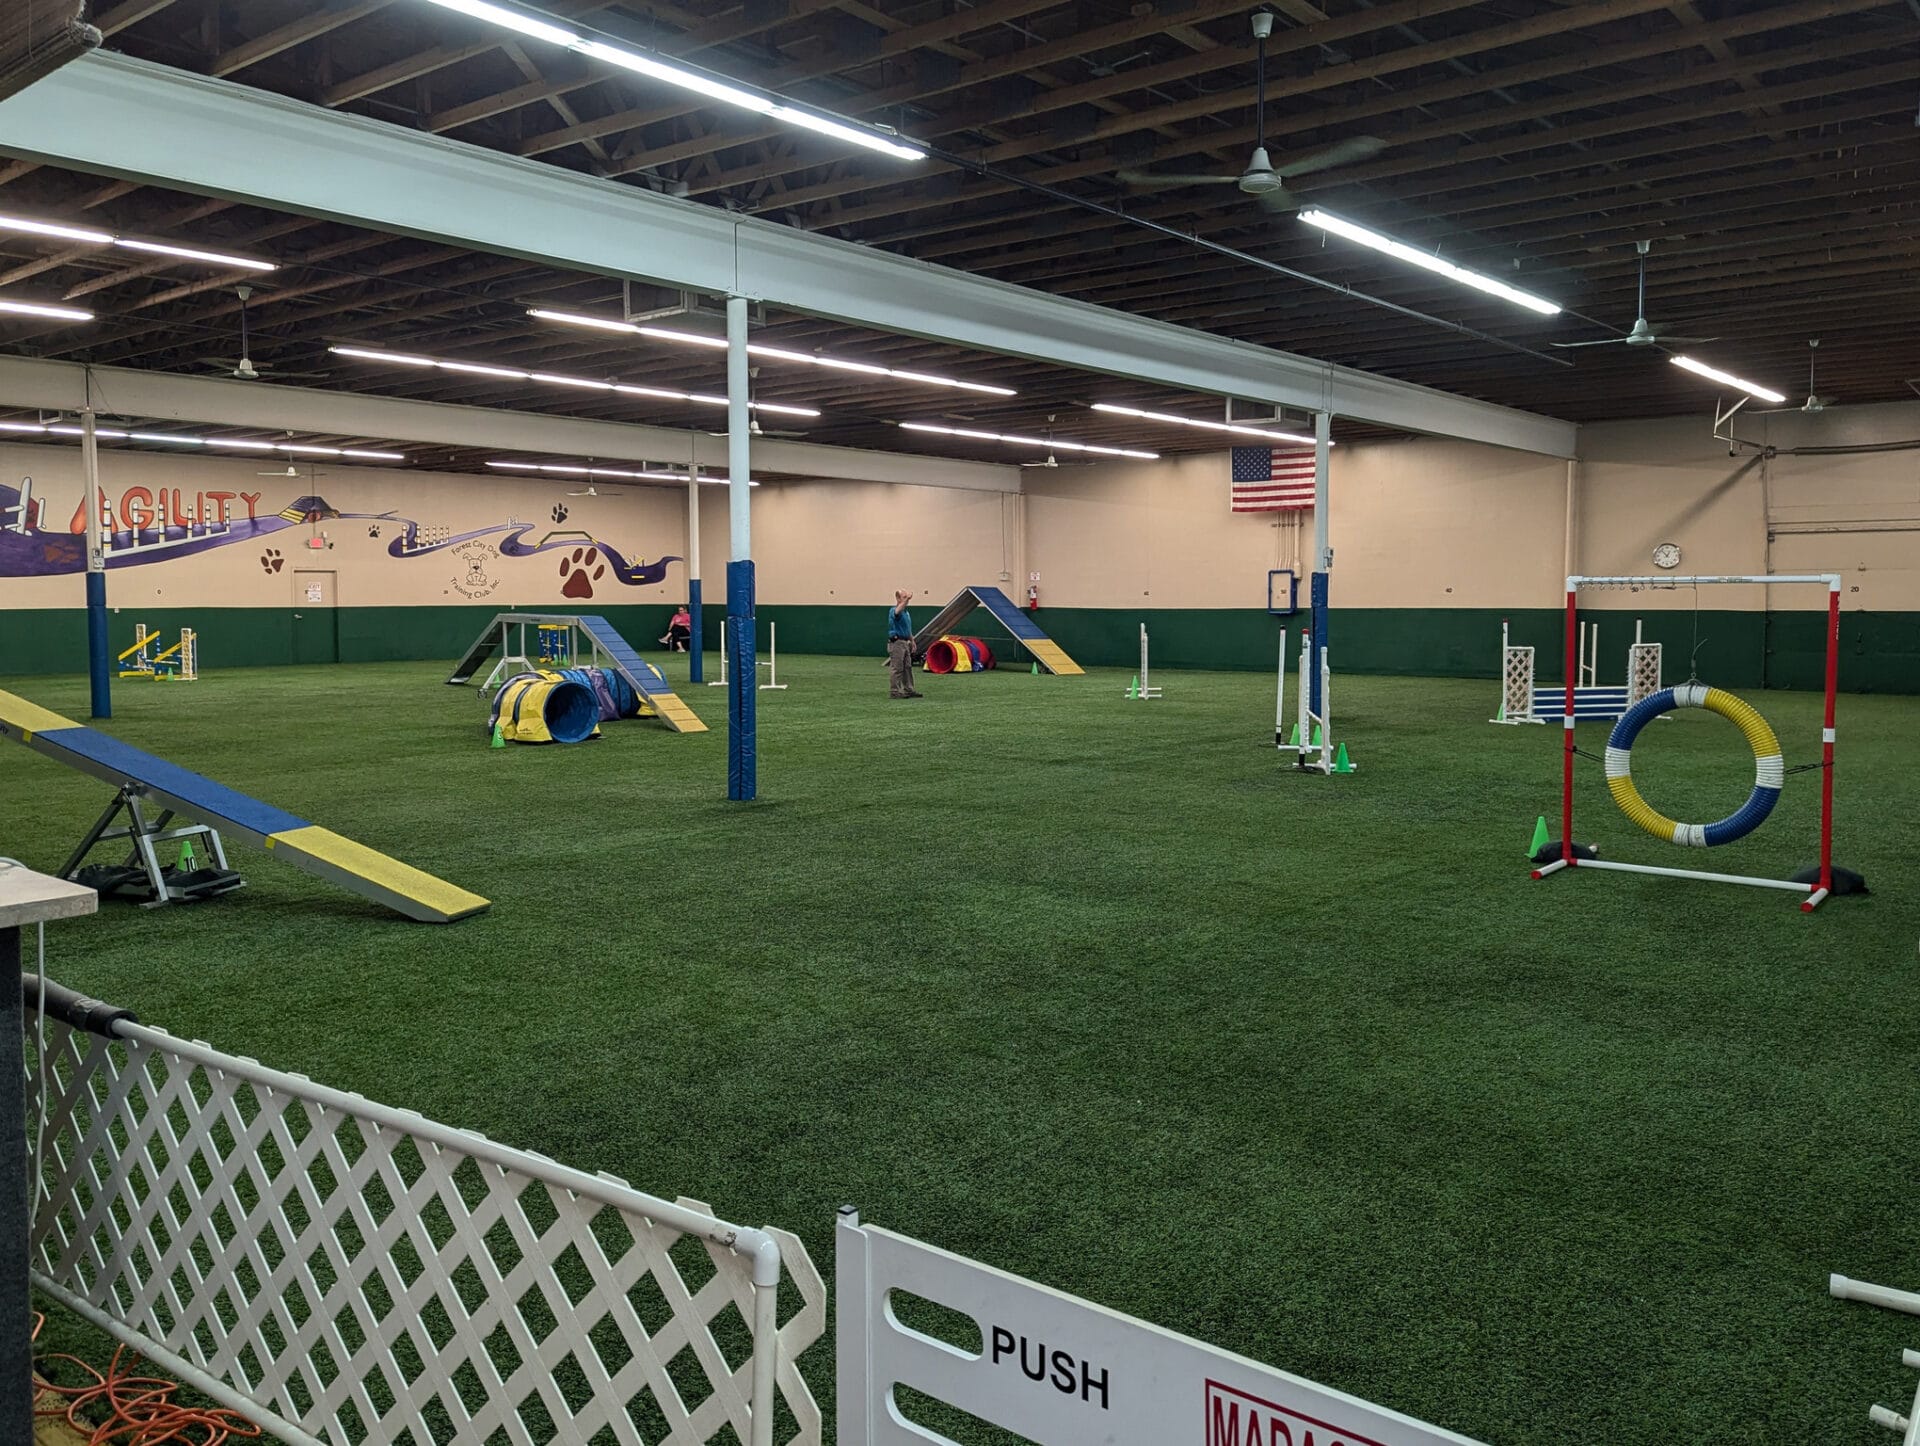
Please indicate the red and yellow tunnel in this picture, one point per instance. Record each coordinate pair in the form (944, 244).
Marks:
(951, 654)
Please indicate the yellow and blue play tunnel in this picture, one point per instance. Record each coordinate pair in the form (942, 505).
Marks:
(545, 708)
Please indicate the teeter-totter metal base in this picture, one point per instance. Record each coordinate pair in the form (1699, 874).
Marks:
(142, 876)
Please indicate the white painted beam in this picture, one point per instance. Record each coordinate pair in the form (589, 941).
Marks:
(115, 116)
(221, 401)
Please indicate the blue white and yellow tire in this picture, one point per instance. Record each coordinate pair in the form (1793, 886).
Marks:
(1769, 768)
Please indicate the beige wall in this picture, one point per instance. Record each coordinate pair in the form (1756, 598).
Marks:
(642, 525)
(1415, 523)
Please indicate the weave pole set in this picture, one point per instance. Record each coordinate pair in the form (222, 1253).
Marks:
(1769, 766)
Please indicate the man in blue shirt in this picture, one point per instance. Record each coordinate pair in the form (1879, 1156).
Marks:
(900, 647)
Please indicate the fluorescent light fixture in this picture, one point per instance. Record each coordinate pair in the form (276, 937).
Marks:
(1727, 379)
(218, 258)
(1426, 261)
(649, 476)
(52, 313)
(513, 20)
(852, 134)
(1050, 444)
(398, 358)
(48, 228)
(556, 379)
(90, 237)
(237, 444)
(1237, 428)
(688, 78)
(770, 353)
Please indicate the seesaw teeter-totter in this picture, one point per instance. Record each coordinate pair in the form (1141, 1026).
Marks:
(144, 782)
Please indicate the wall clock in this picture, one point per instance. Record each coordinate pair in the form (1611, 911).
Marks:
(1667, 555)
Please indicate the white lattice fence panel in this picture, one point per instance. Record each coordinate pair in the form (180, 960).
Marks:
(1643, 671)
(1516, 685)
(366, 1276)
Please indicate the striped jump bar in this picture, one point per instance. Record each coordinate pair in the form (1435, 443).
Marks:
(302, 843)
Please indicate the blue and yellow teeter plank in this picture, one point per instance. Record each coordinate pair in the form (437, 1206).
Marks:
(305, 845)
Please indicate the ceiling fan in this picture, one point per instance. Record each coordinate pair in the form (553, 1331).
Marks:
(1641, 334)
(754, 429)
(1053, 461)
(1262, 180)
(593, 491)
(244, 367)
(1814, 402)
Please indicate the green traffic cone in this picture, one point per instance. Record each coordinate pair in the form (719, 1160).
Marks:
(1540, 838)
(499, 738)
(1342, 763)
(1318, 739)
(186, 855)
(1293, 738)
(1036, 670)
(1133, 688)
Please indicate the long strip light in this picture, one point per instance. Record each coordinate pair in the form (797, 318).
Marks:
(774, 353)
(89, 237)
(232, 444)
(702, 83)
(1237, 428)
(596, 472)
(1426, 261)
(52, 313)
(1050, 444)
(1727, 379)
(558, 379)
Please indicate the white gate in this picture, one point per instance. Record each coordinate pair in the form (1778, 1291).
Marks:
(351, 1274)
(1062, 1371)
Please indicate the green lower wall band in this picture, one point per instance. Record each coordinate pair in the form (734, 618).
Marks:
(1880, 652)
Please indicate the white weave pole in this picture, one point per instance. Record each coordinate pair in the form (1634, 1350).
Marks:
(772, 665)
(1280, 697)
(1146, 690)
(1884, 1296)
(721, 681)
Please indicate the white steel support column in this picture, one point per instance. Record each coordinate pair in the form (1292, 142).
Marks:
(99, 672)
(696, 652)
(739, 434)
(742, 646)
(1322, 558)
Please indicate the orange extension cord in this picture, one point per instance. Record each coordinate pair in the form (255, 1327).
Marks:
(140, 1410)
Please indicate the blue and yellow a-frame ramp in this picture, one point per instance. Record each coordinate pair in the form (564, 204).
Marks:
(1046, 652)
(305, 845)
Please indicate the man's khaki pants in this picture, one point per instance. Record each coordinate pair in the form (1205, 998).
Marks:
(900, 667)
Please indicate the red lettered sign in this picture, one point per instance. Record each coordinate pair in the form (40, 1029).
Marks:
(1236, 1418)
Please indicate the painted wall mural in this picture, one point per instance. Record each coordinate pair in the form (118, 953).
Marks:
(153, 525)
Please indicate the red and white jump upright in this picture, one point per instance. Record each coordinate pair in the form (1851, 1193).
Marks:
(1819, 882)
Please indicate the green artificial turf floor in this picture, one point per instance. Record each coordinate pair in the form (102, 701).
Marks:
(1098, 992)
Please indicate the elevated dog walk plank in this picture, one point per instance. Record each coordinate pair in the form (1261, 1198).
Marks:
(666, 702)
(307, 846)
(1047, 653)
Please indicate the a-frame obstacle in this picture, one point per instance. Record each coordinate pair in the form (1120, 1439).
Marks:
(1043, 649)
(589, 638)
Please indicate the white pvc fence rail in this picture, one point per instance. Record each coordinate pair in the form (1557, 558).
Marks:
(355, 1275)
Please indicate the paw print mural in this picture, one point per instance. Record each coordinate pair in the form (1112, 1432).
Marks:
(271, 561)
(559, 512)
(374, 531)
(580, 571)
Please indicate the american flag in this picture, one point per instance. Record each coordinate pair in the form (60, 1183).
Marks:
(1272, 479)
